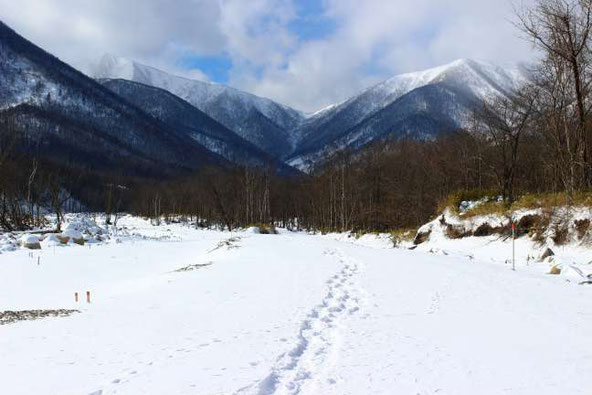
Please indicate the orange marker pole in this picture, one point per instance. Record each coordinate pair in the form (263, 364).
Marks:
(87, 296)
(76, 297)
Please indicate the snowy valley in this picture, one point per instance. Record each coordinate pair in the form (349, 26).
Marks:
(174, 309)
(430, 234)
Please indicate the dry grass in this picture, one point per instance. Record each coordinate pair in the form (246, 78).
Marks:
(403, 235)
(546, 201)
(454, 200)
(551, 200)
(489, 208)
(9, 317)
(265, 229)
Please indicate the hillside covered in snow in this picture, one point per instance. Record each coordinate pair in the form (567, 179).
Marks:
(258, 120)
(416, 105)
(58, 113)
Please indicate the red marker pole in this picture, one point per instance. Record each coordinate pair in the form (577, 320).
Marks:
(76, 297)
(513, 246)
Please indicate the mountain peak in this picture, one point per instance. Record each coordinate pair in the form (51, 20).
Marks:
(110, 65)
(259, 120)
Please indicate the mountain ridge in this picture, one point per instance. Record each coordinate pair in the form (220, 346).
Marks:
(468, 80)
(49, 104)
(187, 120)
(307, 136)
(224, 124)
(261, 121)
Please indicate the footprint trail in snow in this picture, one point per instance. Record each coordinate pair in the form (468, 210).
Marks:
(303, 367)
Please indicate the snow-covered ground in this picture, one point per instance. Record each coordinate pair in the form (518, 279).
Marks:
(185, 311)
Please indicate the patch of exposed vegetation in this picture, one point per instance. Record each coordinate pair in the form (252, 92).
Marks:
(489, 203)
(9, 317)
(196, 266)
(265, 229)
(399, 236)
(229, 244)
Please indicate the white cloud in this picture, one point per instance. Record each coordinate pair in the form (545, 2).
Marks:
(373, 39)
(153, 31)
(377, 39)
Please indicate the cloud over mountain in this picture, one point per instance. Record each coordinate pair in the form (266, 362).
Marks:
(303, 53)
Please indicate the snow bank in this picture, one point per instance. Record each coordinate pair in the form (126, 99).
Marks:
(373, 240)
(556, 241)
(555, 227)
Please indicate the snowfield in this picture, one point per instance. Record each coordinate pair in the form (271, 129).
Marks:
(176, 310)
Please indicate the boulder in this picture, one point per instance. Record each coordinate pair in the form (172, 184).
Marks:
(422, 236)
(546, 254)
(555, 270)
(31, 242)
(51, 240)
(72, 235)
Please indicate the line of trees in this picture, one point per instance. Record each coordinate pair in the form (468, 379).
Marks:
(386, 186)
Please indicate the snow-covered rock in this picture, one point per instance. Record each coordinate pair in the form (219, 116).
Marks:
(253, 229)
(51, 240)
(73, 235)
(30, 241)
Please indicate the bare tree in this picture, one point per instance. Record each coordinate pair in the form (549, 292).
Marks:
(561, 29)
(504, 120)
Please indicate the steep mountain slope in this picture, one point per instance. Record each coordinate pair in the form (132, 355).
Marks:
(59, 113)
(416, 104)
(186, 120)
(258, 120)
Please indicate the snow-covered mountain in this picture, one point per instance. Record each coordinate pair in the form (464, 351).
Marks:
(183, 118)
(60, 107)
(261, 121)
(418, 104)
(414, 104)
(57, 113)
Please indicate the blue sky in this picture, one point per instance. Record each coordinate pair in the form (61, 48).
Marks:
(215, 67)
(308, 23)
(311, 23)
(304, 53)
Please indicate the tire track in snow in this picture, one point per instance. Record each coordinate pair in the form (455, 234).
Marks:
(303, 365)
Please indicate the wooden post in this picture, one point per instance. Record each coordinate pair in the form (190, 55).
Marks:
(87, 296)
(76, 297)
